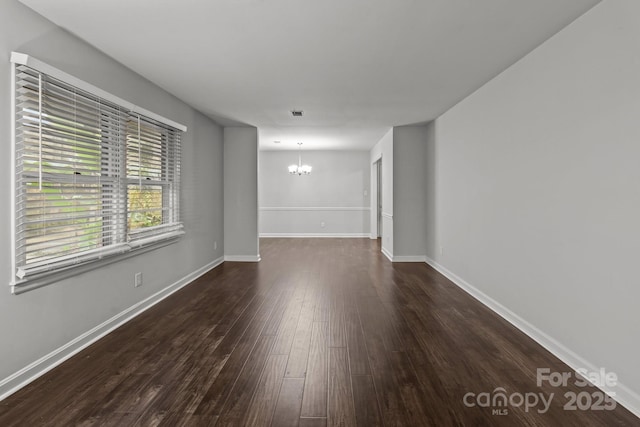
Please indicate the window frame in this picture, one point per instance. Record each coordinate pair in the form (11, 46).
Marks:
(167, 181)
(122, 245)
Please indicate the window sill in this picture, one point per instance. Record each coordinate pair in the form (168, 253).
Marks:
(22, 286)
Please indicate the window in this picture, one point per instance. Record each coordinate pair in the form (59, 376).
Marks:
(152, 169)
(93, 176)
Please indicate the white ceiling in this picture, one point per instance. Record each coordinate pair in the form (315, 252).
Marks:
(356, 67)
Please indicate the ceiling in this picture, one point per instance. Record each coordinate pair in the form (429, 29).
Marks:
(355, 67)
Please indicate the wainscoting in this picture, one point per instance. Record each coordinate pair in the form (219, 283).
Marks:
(336, 221)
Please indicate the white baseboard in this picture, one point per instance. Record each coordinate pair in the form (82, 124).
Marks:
(386, 253)
(623, 394)
(315, 208)
(24, 376)
(409, 258)
(316, 235)
(242, 258)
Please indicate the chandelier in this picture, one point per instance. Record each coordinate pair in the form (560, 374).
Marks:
(299, 169)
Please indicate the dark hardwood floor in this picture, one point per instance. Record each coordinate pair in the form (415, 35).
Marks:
(320, 332)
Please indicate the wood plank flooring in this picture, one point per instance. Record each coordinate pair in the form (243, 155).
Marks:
(321, 332)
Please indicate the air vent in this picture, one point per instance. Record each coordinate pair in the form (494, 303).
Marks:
(297, 113)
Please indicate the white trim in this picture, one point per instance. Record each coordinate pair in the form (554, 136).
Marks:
(373, 236)
(386, 253)
(19, 287)
(623, 394)
(29, 373)
(315, 208)
(409, 258)
(12, 142)
(30, 61)
(387, 215)
(242, 258)
(316, 235)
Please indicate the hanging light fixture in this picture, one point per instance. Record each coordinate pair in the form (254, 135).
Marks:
(299, 169)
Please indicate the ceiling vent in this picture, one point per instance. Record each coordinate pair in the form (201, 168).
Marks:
(296, 113)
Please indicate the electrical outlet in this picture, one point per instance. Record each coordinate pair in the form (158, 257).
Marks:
(138, 280)
(322, 224)
(441, 250)
(215, 245)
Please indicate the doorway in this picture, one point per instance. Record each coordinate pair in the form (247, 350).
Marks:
(378, 169)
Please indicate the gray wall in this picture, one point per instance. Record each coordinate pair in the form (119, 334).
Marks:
(241, 193)
(537, 188)
(333, 194)
(404, 200)
(409, 196)
(430, 191)
(37, 322)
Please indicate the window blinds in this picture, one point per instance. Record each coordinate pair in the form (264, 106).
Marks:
(153, 172)
(92, 178)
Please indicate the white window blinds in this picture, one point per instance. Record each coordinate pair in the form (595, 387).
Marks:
(153, 171)
(92, 178)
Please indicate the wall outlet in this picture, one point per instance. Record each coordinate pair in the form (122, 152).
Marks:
(137, 281)
(215, 245)
(441, 250)
(322, 224)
